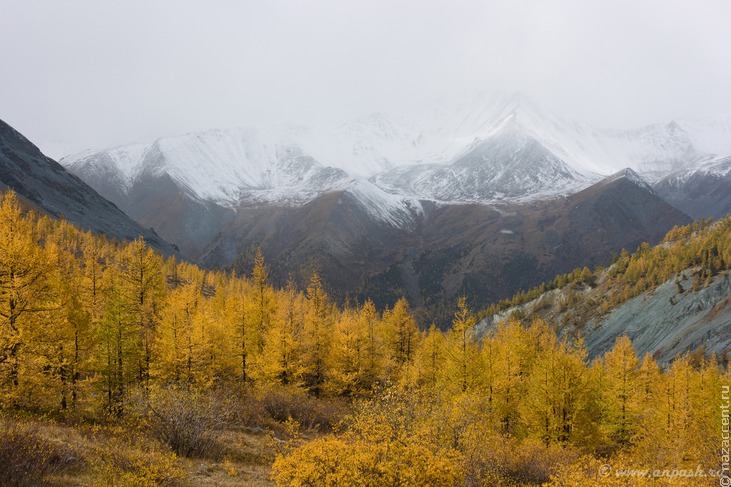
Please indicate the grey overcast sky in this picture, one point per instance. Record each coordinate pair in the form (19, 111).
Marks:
(79, 74)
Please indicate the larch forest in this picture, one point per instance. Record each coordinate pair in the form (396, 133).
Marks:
(121, 367)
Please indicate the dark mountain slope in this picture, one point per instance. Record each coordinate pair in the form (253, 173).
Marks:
(333, 234)
(621, 211)
(699, 192)
(487, 253)
(490, 253)
(47, 185)
(156, 201)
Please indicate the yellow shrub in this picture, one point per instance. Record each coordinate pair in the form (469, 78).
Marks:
(356, 462)
(121, 466)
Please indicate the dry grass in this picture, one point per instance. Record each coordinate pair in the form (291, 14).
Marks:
(168, 438)
(247, 462)
(77, 455)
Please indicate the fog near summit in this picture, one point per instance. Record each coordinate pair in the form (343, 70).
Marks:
(91, 74)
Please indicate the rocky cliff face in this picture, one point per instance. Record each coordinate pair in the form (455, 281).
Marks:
(668, 322)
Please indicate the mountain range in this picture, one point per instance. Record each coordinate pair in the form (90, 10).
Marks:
(489, 149)
(480, 196)
(449, 199)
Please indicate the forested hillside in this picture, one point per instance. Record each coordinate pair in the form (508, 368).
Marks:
(704, 246)
(117, 366)
(669, 299)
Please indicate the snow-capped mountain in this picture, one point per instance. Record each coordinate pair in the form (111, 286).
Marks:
(510, 165)
(222, 166)
(485, 149)
(481, 196)
(366, 241)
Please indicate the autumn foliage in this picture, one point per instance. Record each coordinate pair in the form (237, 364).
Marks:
(95, 328)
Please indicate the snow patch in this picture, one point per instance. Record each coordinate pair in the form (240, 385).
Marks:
(394, 210)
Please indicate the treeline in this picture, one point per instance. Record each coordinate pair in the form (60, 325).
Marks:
(698, 251)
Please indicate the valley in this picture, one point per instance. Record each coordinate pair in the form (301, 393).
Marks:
(415, 204)
(269, 312)
(359, 244)
(122, 367)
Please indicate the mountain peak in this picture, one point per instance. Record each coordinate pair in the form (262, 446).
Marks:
(518, 99)
(673, 128)
(631, 175)
(518, 107)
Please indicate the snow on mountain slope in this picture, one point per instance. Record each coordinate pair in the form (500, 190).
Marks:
(700, 191)
(718, 166)
(393, 210)
(435, 134)
(224, 166)
(510, 165)
(631, 175)
(709, 135)
(404, 151)
(484, 148)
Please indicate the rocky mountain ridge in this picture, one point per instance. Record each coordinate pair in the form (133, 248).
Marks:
(45, 184)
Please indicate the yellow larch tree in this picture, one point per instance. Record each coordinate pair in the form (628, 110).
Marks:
(25, 293)
(178, 347)
(555, 386)
(464, 367)
(370, 323)
(281, 356)
(118, 350)
(316, 336)
(621, 392)
(240, 318)
(347, 358)
(263, 302)
(141, 281)
(428, 367)
(401, 334)
(506, 358)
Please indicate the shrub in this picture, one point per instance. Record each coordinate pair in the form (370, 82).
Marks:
(526, 462)
(187, 422)
(26, 458)
(356, 461)
(286, 403)
(120, 465)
